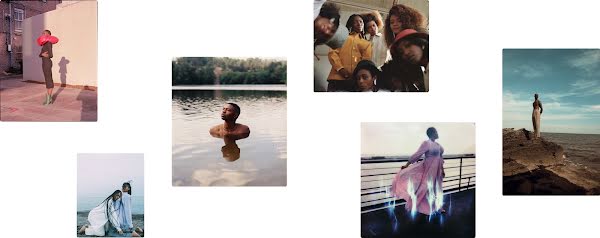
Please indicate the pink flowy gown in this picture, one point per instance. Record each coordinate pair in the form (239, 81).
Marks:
(420, 185)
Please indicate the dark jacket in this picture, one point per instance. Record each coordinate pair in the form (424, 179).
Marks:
(47, 47)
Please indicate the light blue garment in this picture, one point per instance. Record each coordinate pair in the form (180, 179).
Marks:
(112, 232)
(125, 212)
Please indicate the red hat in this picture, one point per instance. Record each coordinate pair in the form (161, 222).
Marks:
(409, 32)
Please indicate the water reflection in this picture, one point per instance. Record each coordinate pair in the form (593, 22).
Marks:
(199, 159)
(231, 151)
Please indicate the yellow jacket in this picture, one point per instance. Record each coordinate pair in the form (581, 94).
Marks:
(354, 50)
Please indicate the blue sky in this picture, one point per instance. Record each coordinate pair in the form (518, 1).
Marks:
(568, 82)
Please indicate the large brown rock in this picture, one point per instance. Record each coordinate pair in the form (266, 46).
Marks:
(522, 153)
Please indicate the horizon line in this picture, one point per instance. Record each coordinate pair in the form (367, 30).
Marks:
(553, 132)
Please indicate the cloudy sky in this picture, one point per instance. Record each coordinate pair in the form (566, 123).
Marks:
(402, 139)
(568, 82)
(102, 174)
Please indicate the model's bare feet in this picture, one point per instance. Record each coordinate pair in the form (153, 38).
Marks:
(442, 210)
(82, 230)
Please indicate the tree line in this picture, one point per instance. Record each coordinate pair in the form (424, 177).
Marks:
(204, 70)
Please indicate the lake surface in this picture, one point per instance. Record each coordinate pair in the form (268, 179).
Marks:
(198, 158)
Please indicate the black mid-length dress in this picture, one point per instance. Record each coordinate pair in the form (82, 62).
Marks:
(47, 64)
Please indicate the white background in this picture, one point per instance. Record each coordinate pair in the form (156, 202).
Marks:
(138, 39)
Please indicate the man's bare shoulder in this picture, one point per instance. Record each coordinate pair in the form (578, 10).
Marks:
(243, 128)
(215, 129)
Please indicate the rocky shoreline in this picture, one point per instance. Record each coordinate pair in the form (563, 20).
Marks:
(138, 221)
(539, 167)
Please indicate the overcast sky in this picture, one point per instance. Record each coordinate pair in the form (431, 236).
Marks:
(102, 174)
(402, 139)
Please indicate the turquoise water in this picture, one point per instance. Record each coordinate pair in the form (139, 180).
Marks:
(85, 204)
(198, 159)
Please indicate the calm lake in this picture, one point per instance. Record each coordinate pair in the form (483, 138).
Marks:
(198, 158)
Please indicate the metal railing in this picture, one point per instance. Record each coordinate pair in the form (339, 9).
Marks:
(377, 174)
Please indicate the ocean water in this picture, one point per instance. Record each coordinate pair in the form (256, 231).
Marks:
(200, 159)
(85, 204)
(579, 148)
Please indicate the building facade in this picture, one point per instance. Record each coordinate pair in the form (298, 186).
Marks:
(11, 28)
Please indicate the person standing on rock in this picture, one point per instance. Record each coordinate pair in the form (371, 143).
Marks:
(535, 116)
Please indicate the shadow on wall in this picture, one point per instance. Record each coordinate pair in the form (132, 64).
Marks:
(89, 104)
(62, 64)
(76, 27)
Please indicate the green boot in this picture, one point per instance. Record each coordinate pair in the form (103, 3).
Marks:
(50, 100)
(47, 100)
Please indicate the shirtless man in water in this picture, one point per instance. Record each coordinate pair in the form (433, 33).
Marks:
(535, 116)
(229, 128)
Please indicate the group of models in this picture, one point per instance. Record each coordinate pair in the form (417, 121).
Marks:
(365, 60)
(112, 217)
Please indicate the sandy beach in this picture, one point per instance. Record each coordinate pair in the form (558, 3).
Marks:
(138, 221)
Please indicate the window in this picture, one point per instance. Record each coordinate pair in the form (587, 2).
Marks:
(18, 16)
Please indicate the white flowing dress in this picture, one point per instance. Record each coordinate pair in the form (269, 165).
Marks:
(98, 219)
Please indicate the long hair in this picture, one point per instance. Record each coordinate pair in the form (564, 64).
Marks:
(107, 206)
(129, 186)
(409, 17)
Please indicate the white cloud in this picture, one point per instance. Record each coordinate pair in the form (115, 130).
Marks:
(517, 109)
(585, 87)
(562, 117)
(558, 96)
(592, 108)
(588, 61)
(531, 71)
(584, 84)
